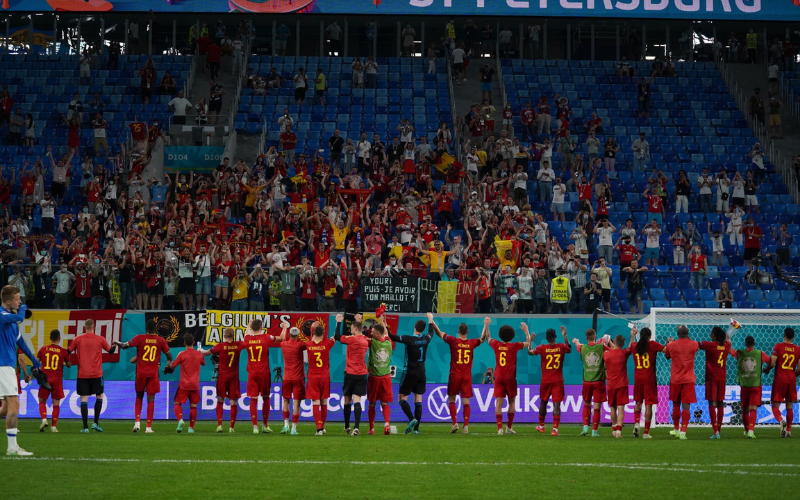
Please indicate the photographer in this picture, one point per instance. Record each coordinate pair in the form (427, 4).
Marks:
(593, 293)
(604, 274)
(577, 281)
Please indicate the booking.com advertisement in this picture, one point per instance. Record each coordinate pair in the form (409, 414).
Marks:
(739, 10)
(120, 396)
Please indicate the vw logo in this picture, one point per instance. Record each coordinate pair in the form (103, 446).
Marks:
(437, 403)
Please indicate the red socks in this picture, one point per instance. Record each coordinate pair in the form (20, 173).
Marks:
(192, 416)
(499, 418)
(453, 414)
(317, 411)
(776, 411)
(137, 409)
(647, 426)
(751, 421)
(541, 420)
(467, 412)
(42, 410)
(56, 411)
(324, 411)
(295, 418)
(234, 412)
(684, 420)
(178, 412)
(151, 408)
(789, 417)
(595, 419)
(387, 413)
(556, 421)
(676, 416)
(371, 416)
(637, 416)
(219, 413)
(587, 411)
(286, 416)
(720, 416)
(510, 420)
(254, 411)
(265, 412)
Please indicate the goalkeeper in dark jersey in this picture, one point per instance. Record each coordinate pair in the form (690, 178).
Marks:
(414, 375)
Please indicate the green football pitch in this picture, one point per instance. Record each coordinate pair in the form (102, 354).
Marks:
(433, 465)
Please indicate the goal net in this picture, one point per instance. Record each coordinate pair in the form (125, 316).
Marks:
(765, 325)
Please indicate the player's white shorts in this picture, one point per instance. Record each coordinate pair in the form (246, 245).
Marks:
(8, 381)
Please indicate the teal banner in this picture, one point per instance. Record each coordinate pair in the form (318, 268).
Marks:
(196, 158)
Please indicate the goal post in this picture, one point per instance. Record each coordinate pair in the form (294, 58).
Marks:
(765, 325)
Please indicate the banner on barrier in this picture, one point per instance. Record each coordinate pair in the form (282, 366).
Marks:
(120, 398)
(173, 325)
(108, 324)
(217, 321)
(411, 294)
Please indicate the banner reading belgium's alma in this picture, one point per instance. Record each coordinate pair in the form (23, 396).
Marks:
(217, 321)
(108, 324)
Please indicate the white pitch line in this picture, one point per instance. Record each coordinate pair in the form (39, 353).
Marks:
(671, 467)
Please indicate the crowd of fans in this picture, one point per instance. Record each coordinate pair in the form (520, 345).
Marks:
(299, 231)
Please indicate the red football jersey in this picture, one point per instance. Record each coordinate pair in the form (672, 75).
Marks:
(788, 355)
(229, 353)
(89, 349)
(716, 359)
(461, 354)
(552, 362)
(644, 365)
(505, 358)
(138, 131)
(190, 362)
(681, 352)
(293, 359)
(258, 353)
(616, 361)
(148, 353)
(319, 365)
(53, 358)
(357, 347)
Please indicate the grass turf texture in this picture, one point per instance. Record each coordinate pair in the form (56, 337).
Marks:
(435, 465)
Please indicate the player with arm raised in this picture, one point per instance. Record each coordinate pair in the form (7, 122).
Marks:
(645, 389)
(148, 356)
(459, 383)
(12, 313)
(413, 380)
(379, 383)
(748, 374)
(294, 378)
(505, 380)
(53, 358)
(190, 362)
(228, 386)
(89, 349)
(616, 361)
(594, 380)
(257, 344)
(785, 358)
(552, 385)
(354, 386)
(318, 386)
(681, 379)
(716, 368)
